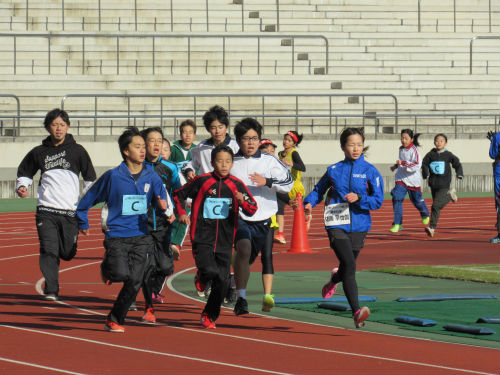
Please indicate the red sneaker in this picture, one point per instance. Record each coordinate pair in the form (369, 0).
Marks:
(149, 316)
(113, 327)
(200, 288)
(206, 321)
(157, 298)
(329, 289)
(360, 316)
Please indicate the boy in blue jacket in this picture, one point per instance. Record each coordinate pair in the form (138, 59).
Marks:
(354, 188)
(128, 191)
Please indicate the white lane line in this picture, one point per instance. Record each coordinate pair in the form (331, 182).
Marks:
(147, 351)
(40, 366)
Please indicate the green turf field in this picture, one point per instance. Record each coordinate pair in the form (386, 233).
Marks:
(17, 205)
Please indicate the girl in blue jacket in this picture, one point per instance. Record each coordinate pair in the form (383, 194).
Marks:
(354, 188)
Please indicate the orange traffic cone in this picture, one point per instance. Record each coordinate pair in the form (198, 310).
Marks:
(300, 242)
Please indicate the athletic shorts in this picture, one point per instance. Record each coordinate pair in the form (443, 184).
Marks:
(256, 232)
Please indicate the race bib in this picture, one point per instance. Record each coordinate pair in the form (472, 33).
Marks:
(437, 167)
(134, 205)
(216, 208)
(337, 214)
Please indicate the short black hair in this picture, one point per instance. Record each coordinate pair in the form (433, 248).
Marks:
(222, 148)
(145, 132)
(126, 138)
(55, 113)
(347, 132)
(215, 113)
(245, 125)
(187, 123)
(441, 135)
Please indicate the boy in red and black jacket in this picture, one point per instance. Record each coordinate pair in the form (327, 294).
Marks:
(217, 197)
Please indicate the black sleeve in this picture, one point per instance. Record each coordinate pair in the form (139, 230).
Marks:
(28, 166)
(455, 163)
(297, 162)
(86, 166)
(425, 166)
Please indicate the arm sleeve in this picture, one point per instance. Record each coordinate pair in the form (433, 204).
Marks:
(425, 166)
(415, 163)
(494, 145)
(97, 193)
(316, 195)
(282, 180)
(297, 162)
(26, 170)
(187, 191)
(374, 197)
(249, 205)
(87, 168)
(193, 164)
(455, 163)
(176, 182)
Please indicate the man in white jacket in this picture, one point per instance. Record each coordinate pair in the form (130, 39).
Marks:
(264, 175)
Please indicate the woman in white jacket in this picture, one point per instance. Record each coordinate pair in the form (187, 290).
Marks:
(408, 180)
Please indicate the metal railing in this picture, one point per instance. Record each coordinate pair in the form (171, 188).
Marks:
(154, 37)
(472, 41)
(295, 113)
(16, 118)
(419, 11)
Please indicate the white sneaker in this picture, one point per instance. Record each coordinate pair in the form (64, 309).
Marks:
(453, 195)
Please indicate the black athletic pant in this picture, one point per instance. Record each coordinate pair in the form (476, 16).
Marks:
(347, 247)
(440, 199)
(124, 261)
(58, 235)
(214, 267)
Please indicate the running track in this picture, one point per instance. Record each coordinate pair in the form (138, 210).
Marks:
(67, 337)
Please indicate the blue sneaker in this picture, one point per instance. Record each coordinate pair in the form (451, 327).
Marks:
(495, 240)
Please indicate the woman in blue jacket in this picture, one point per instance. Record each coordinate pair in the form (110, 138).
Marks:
(354, 188)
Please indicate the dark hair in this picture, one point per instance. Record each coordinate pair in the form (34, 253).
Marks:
(145, 132)
(347, 132)
(215, 113)
(296, 135)
(245, 125)
(411, 135)
(126, 138)
(187, 123)
(441, 135)
(222, 148)
(52, 115)
(166, 140)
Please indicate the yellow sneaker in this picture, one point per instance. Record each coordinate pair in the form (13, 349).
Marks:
(396, 228)
(425, 220)
(268, 302)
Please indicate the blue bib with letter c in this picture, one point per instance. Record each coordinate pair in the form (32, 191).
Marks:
(216, 208)
(134, 205)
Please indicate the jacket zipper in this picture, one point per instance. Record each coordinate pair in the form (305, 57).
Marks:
(350, 213)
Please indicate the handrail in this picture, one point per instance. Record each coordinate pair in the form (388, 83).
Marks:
(470, 46)
(222, 37)
(18, 105)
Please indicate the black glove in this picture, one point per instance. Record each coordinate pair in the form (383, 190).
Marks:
(490, 134)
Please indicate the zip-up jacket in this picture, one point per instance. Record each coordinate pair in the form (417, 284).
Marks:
(169, 175)
(409, 171)
(436, 166)
(278, 179)
(495, 153)
(214, 212)
(127, 201)
(59, 167)
(178, 151)
(201, 155)
(351, 176)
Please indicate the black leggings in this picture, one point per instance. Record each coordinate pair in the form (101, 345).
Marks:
(347, 247)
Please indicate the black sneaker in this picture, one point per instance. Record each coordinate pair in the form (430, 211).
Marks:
(241, 306)
(230, 297)
(133, 307)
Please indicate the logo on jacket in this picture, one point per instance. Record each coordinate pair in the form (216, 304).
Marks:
(212, 191)
(56, 160)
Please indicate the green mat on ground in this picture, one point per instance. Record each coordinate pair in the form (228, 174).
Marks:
(465, 312)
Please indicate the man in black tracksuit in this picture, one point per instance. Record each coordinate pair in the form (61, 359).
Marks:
(60, 161)
(217, 197)
(436, 166)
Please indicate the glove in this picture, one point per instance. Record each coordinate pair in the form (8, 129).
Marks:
(490, 134)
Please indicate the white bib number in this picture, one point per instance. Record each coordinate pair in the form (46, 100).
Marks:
(337, 214)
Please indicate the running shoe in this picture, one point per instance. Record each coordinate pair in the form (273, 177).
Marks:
(360, 316)
(149, 316)
(230, 297)
(208, 289)
(453, 195)
(396, 228)
(157, 298)
(105, 280)
(200, 288)
(429, 231)
(133, 307)
(425, 220)
(113, 327)
(495, 240)
(241, 306)
(329, 288)
(176, 252)
(308, 221)
(268, 302)
(206, 321)
(280, 238)
(50, 297)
